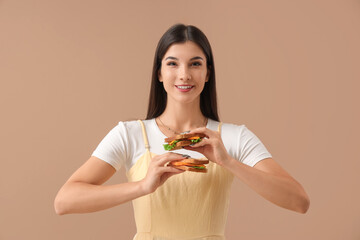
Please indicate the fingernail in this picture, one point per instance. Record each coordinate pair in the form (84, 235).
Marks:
(185, 132)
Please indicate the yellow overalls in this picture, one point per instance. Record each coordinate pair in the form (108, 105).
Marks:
(188, 205)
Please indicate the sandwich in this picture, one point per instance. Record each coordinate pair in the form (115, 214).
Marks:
(182, 140)
(190, 164)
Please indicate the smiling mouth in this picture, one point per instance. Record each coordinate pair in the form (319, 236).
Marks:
(184, 87)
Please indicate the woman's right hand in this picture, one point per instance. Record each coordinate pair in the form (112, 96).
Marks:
(158, 173)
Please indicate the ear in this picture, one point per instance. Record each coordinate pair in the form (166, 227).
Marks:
(159, 76)
(208, 74)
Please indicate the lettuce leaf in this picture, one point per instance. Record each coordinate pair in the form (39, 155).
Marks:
(168, 147)
(198, 167)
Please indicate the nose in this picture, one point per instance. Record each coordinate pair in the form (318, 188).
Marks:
(184, 73)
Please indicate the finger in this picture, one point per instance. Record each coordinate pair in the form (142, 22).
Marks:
(168, 157)
(209, 133)
(174, 171)
(166, 176)
(169, 174)
(201, 143)
(196, 149)
(168, 169)
(171, 155)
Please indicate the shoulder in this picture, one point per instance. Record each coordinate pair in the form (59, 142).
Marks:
(125, 130)
(227, 129)
(130, 124)
(234, 135)
(123, 127)
(134, 129)
(132, 132)
(232, 128)
(241, 133)
(134, 126)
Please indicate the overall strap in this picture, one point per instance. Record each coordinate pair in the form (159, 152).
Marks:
(219, 127)
(144, 135)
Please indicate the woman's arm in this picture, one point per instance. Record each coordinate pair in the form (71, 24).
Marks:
(268, 179)
(84, 193)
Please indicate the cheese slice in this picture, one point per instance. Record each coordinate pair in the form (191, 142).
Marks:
(187, 164)
(194, 138)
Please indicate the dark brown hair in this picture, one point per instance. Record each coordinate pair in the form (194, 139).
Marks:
(180, 33)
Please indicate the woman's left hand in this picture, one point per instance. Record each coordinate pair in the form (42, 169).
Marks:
(212, 146)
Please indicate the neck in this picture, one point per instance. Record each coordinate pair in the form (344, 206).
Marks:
(182, 117)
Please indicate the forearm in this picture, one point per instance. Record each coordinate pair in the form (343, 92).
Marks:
(282, 191)
(78, 197)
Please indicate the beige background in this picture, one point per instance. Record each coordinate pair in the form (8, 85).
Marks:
(289, 70)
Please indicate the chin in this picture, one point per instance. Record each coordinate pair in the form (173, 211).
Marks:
(185, 99)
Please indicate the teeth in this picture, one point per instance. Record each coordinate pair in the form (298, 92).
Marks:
(184, 87)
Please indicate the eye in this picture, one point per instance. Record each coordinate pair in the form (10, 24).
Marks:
(171, 64)
(196, 63)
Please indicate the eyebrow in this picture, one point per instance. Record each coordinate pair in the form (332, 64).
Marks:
(197, 57)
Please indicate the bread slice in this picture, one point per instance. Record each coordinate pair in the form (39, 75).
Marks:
(181, 144)
(185, 164)
(184, 136)
(186, 168)
(193, 161)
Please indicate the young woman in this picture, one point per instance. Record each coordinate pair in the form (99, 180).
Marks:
(170, 203)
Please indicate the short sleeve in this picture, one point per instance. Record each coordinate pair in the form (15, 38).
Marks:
(251, 149)
(112, 149)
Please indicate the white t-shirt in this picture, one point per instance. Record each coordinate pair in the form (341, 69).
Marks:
(124, 144)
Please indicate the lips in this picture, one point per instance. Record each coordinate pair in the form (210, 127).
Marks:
(184, 86)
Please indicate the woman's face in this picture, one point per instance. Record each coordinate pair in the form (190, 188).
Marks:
(184, 72)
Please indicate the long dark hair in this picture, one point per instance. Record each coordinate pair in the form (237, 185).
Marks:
(180, 33)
